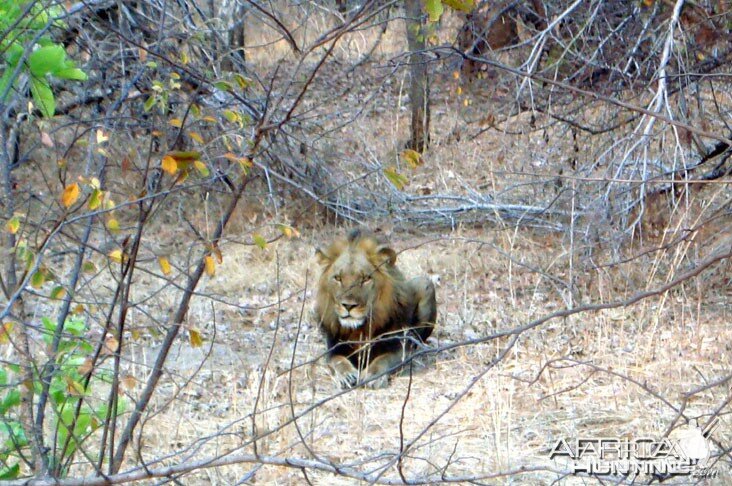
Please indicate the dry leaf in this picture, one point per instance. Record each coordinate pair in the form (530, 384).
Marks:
(210, 266)
(164, 265)
(111, 345)
(195, 338)
(46, 140)
(170, 165)
(85, 367)
(70, 195)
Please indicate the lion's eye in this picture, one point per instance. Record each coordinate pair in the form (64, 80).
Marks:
(337, 278)
(365, 280)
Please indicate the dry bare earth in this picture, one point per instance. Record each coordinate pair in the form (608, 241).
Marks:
(505, 421)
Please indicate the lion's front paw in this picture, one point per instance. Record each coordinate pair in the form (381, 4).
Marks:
(347, 380)
(380, 382)
(343, 372)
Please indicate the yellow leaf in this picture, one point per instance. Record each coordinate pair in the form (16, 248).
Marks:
(5, 331)
(113, 225)
(201, 168)
(116, 255)
(210, 265)
(58, 292)
(70, 195)
(209, 119)
(242, 81)
(195, 137)
(13, 225)
(73, 387)
(94, 182)
(170, 165)
(79, 309)
(288, 231)
(96, 199)
(397, 179)
(164, 265)
(176, 122)
(461, 5)
(412, 157)
(195, 338)
(232, 116)
(101, 137)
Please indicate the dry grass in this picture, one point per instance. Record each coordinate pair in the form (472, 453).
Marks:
(604, 365)
(508, 418)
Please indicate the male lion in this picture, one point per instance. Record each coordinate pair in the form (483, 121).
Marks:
(368, 311)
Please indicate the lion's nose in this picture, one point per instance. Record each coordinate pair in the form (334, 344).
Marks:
(348, 306)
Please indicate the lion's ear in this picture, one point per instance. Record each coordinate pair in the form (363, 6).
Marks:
(386, 255)
(322, 257)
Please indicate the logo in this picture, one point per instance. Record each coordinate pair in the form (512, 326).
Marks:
(685, 452)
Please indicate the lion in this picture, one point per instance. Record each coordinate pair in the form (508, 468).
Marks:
(370, 314)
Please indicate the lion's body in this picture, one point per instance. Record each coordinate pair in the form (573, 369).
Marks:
(370, 314)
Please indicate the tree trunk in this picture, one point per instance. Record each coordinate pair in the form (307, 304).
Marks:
(234, 61)
(419, 89)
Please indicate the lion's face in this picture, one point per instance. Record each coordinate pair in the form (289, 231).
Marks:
(354, 275)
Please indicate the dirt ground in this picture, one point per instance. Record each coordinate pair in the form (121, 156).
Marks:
(614, 373)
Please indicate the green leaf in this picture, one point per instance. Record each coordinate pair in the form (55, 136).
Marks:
(89, 267)
(434, 9)
(10, 472)
(75, 325)
(12, 399)
(71, 73)
(50, 327)
(149, 103)
(224, 85)
(13, 54)
(38, 279)
(47, 60)
(43, 96)
(5, 80)
(259, 241)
